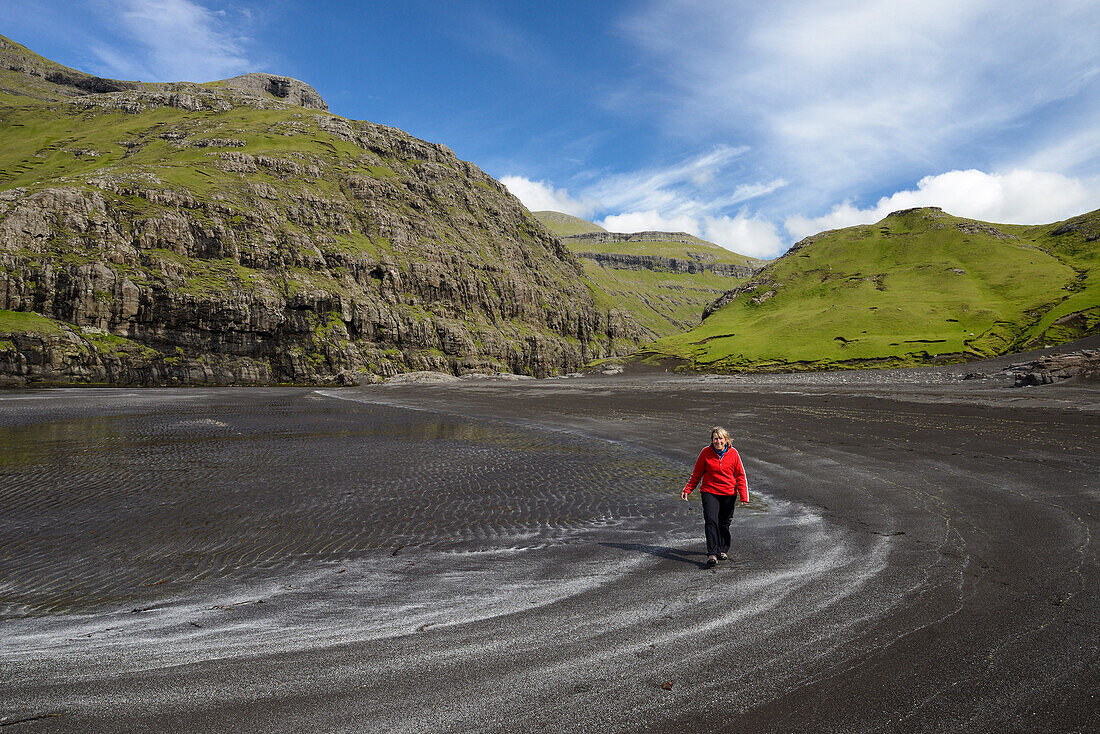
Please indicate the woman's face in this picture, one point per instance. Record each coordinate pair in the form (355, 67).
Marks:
(718, 442)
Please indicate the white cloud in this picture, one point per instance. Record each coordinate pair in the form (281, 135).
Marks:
(743, 234)
(684, 188)
(688, 196)
(1016, 197)
(174, 40)
(747, 235)
(647, 221)
(542, 196)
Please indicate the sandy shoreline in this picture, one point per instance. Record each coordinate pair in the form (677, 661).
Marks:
(918, 557)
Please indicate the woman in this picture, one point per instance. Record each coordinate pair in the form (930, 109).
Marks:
(719, 466)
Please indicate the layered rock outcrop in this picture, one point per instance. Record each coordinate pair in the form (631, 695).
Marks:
(285, 88)
(695, 261)
(668, 264)
(1082, 364)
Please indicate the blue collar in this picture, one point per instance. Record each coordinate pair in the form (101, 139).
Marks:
(722, 452)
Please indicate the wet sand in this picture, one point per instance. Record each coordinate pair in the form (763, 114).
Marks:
(500, 556)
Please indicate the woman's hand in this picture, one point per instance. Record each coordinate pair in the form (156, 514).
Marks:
(684, 495)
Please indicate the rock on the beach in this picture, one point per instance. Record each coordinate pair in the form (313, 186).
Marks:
(1083, 365)
(423, 377)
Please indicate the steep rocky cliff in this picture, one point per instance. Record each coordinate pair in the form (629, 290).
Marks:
(223, 233)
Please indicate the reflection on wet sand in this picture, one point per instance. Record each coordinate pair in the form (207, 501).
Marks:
(128, 508)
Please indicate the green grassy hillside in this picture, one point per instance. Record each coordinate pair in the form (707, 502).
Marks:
(660, 244)
(916, 287)
(562, 224)
(663, 279)
(662, 301)
(1075, 242)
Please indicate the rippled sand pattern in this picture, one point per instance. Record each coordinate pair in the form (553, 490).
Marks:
(110, 499)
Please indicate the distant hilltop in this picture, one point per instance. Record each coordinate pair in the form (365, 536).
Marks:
(648, 236)
(563, 224)
(700, 255)
(650, 250)
(25, 73)
(663, 279)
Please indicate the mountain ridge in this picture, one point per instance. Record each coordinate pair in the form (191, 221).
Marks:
(25, 73)
(216, 234)
(563, 225)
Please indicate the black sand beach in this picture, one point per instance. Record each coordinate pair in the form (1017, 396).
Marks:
(490, 555)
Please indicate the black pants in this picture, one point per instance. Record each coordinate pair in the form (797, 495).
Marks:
(717, 513)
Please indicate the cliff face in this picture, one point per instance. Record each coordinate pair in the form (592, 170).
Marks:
(664, 279)
(622, 261)
(675, 252)
(224, 234)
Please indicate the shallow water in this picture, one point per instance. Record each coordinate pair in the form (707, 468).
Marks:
(144, 499)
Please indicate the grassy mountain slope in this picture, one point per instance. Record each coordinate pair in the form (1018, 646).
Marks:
(663, 279)
(25, 73)
(918, 286)
(225, 233)
(563, 224)
(662, 301)
(1076, 242)
(660, 244)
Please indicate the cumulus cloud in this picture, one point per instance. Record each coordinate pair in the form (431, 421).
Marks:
(542, 196)
(173, 40)
(1016, 197)
(650, 220)
(747, 235)
(744, 234)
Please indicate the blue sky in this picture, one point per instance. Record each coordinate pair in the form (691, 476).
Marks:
(750, 124)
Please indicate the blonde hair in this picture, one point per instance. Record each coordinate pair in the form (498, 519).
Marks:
(719, 431)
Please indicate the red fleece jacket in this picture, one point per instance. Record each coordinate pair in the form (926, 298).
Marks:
(723, 475)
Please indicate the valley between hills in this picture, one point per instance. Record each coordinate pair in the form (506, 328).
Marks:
(239, 233)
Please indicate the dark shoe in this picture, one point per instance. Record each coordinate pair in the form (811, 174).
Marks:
(712, 561)
(723, 557)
